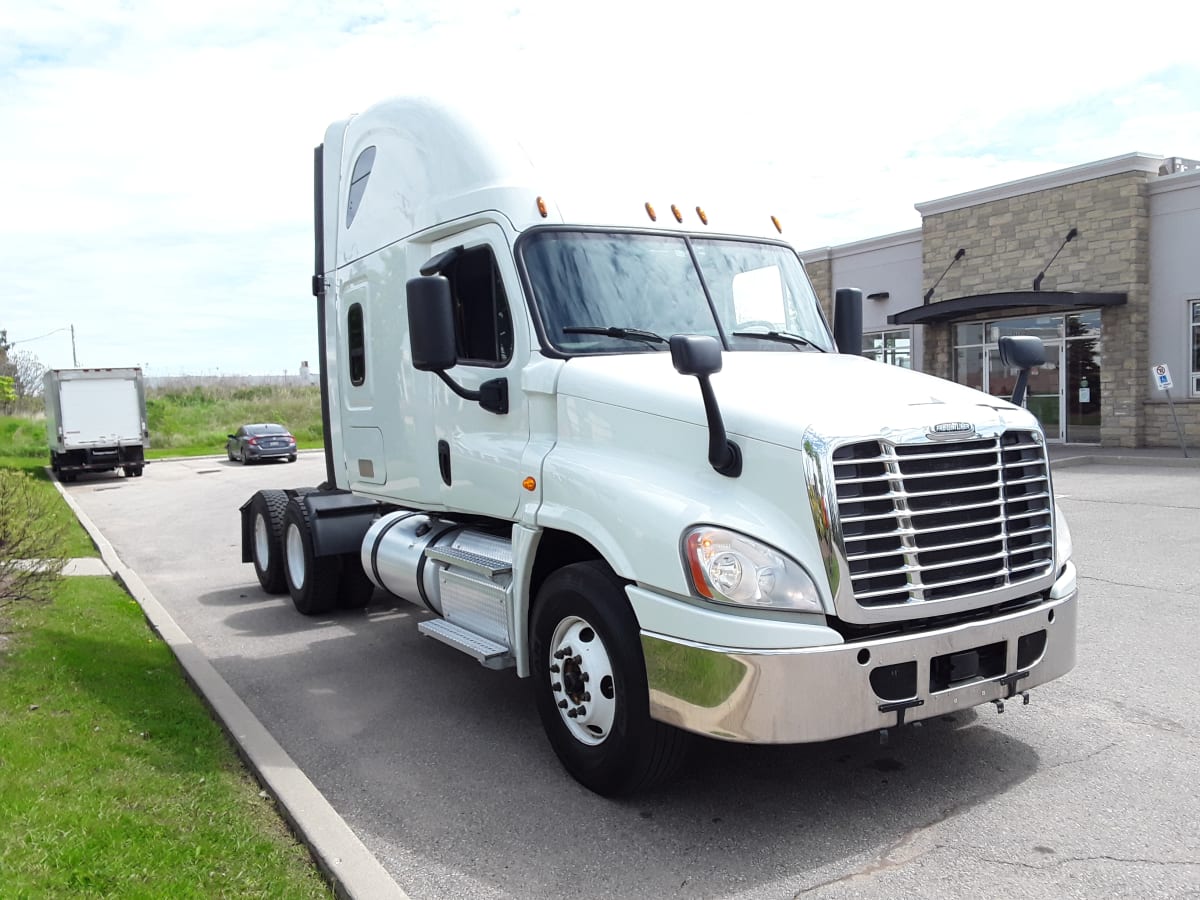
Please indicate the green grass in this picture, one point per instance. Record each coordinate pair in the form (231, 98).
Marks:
(196, 420)
(114, 779)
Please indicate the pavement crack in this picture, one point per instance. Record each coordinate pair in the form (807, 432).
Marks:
(1102, 857)
(894, 855)
(1085, 757)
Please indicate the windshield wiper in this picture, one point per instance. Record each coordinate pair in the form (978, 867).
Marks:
(630, 334)
(782, 337)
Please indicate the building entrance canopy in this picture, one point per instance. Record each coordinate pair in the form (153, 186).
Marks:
(990, 304)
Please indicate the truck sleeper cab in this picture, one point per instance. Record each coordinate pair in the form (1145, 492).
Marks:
(628, 460)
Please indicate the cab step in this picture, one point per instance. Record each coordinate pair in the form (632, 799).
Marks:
(487, 652)
(473, 562)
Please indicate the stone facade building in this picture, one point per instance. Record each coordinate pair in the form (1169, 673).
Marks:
(1099, 261)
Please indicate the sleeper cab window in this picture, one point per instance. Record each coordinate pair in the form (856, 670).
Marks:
(358, 182)
(357, 345)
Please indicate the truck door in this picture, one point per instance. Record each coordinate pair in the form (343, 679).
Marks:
(479, 452)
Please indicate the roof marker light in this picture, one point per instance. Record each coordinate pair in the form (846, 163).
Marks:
(702, 214)
(541, 205)
(775, 222)
(678, 214)
(650, 212)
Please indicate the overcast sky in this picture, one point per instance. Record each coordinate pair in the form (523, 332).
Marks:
(156, 156)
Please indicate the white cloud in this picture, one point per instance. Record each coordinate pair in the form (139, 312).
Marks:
(157, 156)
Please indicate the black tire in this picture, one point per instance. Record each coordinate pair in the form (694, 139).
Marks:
(267, 509)
(292, 458)
(128, 470)
(245, 458)
(356, 589)
(312, 581)
(615, 748)
(137, 471)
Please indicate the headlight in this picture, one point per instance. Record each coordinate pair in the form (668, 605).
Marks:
(731, 568)
(1063, 546)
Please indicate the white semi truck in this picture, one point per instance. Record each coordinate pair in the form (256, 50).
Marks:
(628, 459)
(96, 421)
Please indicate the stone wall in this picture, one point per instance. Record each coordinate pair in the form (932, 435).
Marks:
(820, 272)
(1009, 240)
(1160, 427)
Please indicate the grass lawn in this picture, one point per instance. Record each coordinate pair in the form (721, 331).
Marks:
(114, 779)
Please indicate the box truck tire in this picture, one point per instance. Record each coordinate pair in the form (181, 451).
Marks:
(590, 683)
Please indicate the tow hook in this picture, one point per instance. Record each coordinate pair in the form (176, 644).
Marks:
(1024, 695)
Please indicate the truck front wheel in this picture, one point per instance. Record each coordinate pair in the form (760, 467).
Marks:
(312, 580)
(267, 509)
(589, 678)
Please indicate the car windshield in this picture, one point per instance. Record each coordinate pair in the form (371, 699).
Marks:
(259, 430)
(601, 292)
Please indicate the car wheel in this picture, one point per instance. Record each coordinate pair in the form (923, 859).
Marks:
(312, 581)
(292, 458)
(267, 510)
(589, 679)
(245, 458)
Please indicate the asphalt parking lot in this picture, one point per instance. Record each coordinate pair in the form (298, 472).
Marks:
(441, 768)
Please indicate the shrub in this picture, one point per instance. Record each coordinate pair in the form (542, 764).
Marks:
(31, 540)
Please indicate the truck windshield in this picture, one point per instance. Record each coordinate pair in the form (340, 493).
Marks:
(599, 292)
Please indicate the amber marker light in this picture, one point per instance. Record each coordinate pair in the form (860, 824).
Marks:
(530, 483)
(775, 222)
(698, 546)
(541, 205)
(702, 214)
(650, 212)
(678, 215)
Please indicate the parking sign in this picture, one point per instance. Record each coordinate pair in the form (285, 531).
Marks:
(1162, 376)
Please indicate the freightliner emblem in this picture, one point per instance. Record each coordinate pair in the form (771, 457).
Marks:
(951, 430)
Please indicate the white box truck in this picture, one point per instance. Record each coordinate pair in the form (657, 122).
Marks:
(96, 421)
(627, 458)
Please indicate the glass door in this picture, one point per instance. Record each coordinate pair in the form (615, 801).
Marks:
(1044, 393)
(1083, 378)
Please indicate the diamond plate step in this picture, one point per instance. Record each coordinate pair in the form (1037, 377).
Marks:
(484, 565)
(486, 651)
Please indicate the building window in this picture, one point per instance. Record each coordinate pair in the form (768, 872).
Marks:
(1195, 379)
(892, 347)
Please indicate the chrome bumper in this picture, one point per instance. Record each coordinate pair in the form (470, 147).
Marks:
(821, 693)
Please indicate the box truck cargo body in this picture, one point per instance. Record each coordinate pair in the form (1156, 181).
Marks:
(96, 421)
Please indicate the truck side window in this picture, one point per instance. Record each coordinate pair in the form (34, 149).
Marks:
(483, 324)
(357, 345)
(358, 182)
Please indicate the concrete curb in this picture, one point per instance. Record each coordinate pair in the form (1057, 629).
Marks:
(345, 862)
(1145, 461)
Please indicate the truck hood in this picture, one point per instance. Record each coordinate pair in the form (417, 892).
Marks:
(777, 397)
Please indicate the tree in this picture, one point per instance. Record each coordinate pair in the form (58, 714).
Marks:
(27, 372)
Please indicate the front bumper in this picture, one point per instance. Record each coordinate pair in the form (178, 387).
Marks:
(820, 693)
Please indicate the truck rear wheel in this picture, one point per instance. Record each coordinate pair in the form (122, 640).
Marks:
(589, 680)
(356, 589)
(267, 509)
(312, 580)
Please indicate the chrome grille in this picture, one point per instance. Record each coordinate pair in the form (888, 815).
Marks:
(942, 520)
